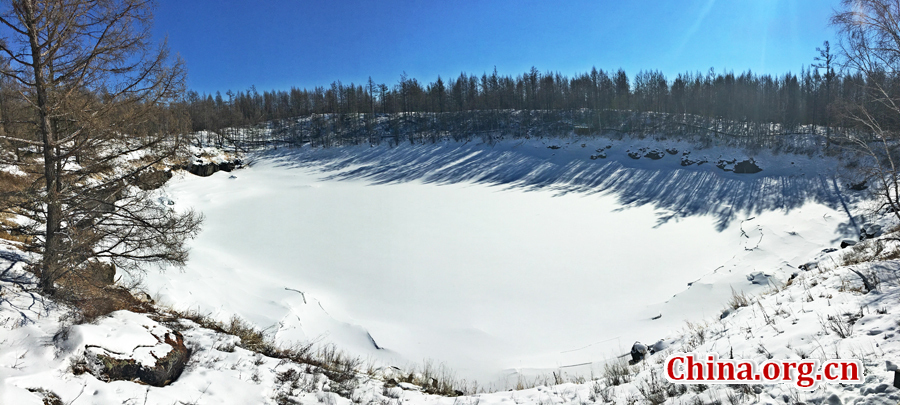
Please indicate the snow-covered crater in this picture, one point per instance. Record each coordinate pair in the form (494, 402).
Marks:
(495, 259)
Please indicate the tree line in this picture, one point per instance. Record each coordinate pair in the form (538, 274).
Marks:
(791, 100)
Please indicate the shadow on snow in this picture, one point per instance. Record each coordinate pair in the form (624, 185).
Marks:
(675, 192)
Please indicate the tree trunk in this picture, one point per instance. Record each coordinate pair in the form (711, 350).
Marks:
(50, 263)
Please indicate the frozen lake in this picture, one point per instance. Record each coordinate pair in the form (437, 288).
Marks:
(522, 271)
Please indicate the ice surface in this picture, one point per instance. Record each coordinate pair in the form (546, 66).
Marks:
(494, 270)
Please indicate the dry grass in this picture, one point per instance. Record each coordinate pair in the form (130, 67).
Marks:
(617, 372)
(93, 299)
(47, 397)
(872, 250)
(341, 368)
(738, 300)
(12, 194)
(9, 230)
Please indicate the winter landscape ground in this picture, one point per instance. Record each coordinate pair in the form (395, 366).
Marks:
(522, 265)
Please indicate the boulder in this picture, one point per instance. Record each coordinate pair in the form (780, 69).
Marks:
(601, 155)
(672, 151)
(634, 154)
(847, 242)
(655, 154)
(153, 179)
(204, 169)
(659, 346)
(687, 161)
(869, 231)
(747, 166)
(726, 165)
(809, 266)
(131, 347)
(638, 352)
(759, 278)
(858, 186)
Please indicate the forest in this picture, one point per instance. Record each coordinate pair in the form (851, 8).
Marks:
(814, 97)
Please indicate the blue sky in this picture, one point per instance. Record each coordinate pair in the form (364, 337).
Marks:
(276, 44)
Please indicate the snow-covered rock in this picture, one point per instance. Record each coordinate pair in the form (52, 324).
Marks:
(129, 346)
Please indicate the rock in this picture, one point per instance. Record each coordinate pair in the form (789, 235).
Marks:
(409, 387)
(601, 155)
(878, 389)
(634, 155)
(890, 366)
(659, 346)
(687, 161)
(128, 347)
(758, 278)
(834, 400)
(869, 231)
(725, 165)
(47, 397)
(672, 151)
(829, 250)
(638, 351)
(858, 186)
(725, 313)
(554, 147)
(153, 179)
(144, 297)
(808, 266)
(202, 169)
(655, 154)
(847, 242)
(747, 166)
(228, 166)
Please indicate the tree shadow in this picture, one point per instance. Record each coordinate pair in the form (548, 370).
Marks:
(23, 299)
(677, 192)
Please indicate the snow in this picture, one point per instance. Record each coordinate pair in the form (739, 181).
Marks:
(124, 335)
(506, 262)
(496, 259)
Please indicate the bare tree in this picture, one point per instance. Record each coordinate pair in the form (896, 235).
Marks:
(99, 96)
(870, 45)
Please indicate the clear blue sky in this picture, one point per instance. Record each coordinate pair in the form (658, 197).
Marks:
(276, 44)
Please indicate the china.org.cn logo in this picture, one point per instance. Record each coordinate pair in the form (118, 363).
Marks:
(806, 374)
